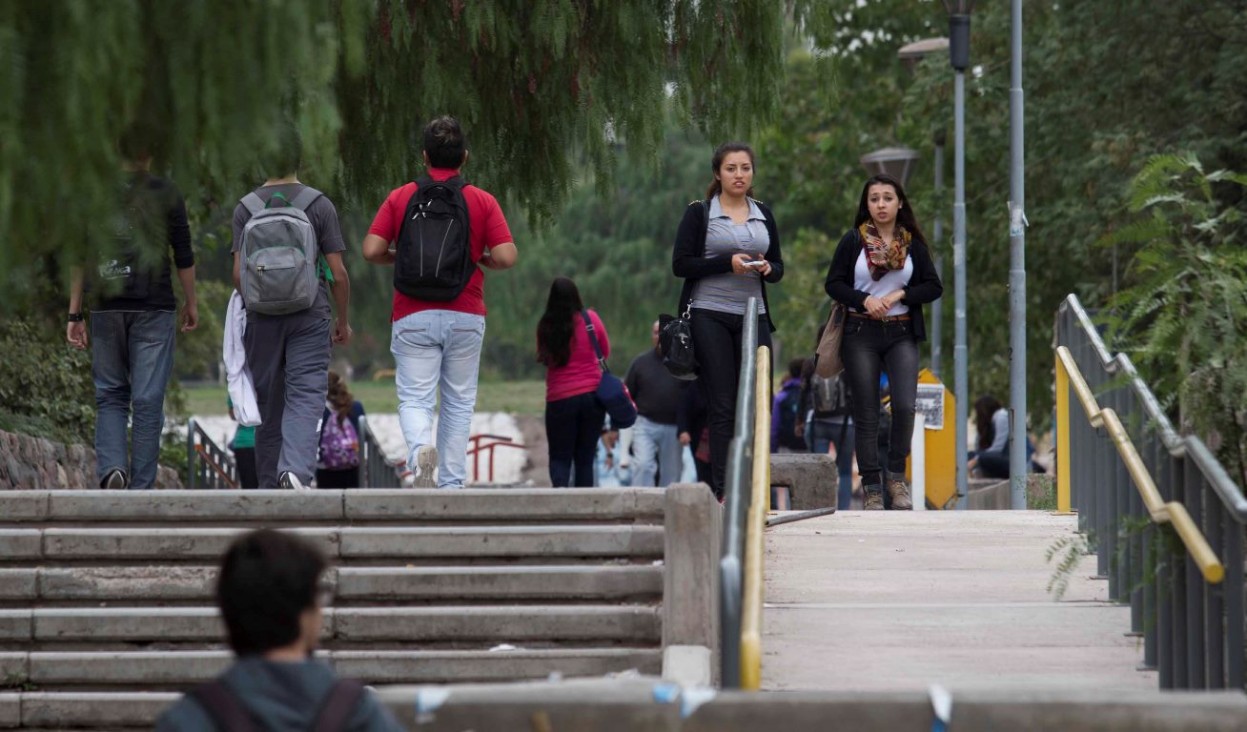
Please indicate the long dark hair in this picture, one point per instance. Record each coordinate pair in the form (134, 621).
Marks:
(716, 162)
(905, 216)
(554, 330)
(984, 408)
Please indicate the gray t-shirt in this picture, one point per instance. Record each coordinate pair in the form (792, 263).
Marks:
(281, 697)
(324, 218)
(728, 293)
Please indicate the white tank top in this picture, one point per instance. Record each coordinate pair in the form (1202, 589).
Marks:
(889, 283)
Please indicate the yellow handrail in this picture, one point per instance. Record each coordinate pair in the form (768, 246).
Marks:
(1172, 513)
(755, 525)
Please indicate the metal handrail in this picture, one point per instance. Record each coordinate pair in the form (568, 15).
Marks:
(754, 588)
(377, 471)
(740, 459)
(1125, 469)
(1172, 513)
(208, 465)
(1177, 445)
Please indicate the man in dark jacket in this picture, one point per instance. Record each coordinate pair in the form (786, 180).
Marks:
(269, 593)
(655, 441)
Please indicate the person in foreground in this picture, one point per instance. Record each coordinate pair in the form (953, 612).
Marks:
(883, 272)
(269, 594)
(726, 250)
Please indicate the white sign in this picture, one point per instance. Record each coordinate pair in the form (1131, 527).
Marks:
(930, 404)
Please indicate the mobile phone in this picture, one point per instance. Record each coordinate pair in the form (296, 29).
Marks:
(755, 263)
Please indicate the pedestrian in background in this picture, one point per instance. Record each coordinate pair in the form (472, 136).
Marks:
(656, 444)
(574, 417)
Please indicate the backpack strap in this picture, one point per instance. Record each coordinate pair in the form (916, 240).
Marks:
(339, 703)
(306, 198)
(223, 707)
(593, 338)
(254, 203)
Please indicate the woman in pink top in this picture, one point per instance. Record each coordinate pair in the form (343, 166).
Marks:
(574, 417)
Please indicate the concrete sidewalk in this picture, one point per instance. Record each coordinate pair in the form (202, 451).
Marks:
(897, 601)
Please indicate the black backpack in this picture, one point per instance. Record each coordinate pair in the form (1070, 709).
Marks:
(229, 715)
(789, 418)
(433, 254)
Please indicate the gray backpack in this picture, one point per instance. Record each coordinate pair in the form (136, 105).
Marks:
(279, 256)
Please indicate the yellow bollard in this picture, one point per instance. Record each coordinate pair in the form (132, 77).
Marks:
(1063, 467)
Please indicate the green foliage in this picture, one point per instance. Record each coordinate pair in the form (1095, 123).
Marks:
(1068, 551)
(1182, 318)
(545, 91)
(45, 386)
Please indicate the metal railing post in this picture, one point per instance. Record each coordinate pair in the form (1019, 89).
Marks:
(1214, 604)
(1234, 606)
(1194, 587)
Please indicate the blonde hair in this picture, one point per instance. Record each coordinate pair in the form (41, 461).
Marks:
(340, 397)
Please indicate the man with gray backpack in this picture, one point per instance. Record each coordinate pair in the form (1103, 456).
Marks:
(825, 405)
(287, 256)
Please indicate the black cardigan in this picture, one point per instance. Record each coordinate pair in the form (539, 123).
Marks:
(924, 284)
(689, 260)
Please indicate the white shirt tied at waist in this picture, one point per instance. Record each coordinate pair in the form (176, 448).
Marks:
(237, 375)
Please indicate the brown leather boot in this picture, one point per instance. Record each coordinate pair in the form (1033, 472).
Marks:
(899, 493)
(874, 497)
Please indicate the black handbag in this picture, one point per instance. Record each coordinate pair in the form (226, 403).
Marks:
(675, 343)
(611, 393)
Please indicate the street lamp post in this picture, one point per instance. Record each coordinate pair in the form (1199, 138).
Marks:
(897, 162)
(1017, 272)
(959, 56)
(911, 54)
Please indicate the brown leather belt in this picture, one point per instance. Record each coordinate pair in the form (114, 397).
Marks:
(885, 319)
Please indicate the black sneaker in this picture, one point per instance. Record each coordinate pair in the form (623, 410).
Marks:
(115, 480)
(291, 482)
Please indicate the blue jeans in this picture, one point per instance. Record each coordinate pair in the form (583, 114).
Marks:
(657, 450)
(131, 358)
(820, 434)
(438, 351)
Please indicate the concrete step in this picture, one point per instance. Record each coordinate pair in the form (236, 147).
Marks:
(173, 584)
(410, 506)
(634, 624)
(173, 544)
(150, 670)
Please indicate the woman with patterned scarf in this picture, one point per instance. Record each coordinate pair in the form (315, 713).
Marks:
(883, 272)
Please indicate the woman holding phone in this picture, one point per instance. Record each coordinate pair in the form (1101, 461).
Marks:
(726, 249)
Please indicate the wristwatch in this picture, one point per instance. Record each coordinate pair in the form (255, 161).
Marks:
(76, 317)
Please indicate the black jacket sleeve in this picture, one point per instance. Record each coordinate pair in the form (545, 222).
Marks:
(687, 258)
(839, 284)
(924, 285)
(772, 253)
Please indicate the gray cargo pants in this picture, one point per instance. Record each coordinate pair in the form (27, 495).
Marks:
(289, 360)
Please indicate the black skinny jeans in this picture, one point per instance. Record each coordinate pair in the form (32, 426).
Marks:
(573, 428)
(716, 342)
(869, 347)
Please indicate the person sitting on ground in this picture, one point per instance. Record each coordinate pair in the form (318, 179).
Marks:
(610, 470)
(991, 419)
(271, 599)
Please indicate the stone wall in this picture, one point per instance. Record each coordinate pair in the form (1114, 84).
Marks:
(35, 463)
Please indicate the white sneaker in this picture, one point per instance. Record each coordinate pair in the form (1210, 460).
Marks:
(115, 480)
(291, 482)
(426, 463)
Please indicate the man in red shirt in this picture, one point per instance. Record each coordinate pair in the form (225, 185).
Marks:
(436, 338)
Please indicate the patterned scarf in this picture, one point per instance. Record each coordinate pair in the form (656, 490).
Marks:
(883, 257)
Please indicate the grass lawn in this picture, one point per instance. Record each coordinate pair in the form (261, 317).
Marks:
(516, 397)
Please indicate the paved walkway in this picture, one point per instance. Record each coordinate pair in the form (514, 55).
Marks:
(893, 601)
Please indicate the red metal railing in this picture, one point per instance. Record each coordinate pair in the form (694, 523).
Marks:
(476, 447)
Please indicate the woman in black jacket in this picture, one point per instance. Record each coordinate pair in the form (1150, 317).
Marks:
(882, 270)
(726, 249)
